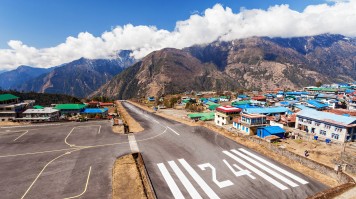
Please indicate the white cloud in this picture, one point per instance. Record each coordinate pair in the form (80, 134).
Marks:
(215, 23)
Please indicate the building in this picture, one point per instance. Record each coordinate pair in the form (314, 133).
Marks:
(352, 104)
(10, 107)
(327, 125)
(47, 114)
(316, 105)
(72, 109)
(267, 111)
(225, 114)
(265, 131)
(248, 123)
(95, 112)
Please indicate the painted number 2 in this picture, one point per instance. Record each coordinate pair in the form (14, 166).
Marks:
(222, 184)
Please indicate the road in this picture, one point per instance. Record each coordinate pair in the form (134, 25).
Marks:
(194, 162)
(59, 160)
(74, 160)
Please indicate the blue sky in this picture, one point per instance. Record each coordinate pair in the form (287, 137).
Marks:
(46, 33)
(45, 23)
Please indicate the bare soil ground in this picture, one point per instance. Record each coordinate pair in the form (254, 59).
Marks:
(118, 129)
(13, 123)
(127, 182)
(135, 127)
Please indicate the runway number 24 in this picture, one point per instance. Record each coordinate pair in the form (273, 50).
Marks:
(226, 183)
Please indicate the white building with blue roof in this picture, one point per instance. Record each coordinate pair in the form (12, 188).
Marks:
(327, 125)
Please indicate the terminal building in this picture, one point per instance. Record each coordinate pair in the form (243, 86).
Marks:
(326, 125)
(10, 107)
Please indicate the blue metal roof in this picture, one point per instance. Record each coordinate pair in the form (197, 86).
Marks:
(317, 104)
(268, 110)
(243, 106)
(327, 117)
(301, 107)
(273, 129)
(242, 96)
(296, 93)
(95, 110)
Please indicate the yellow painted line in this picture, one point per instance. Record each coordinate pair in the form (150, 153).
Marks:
(65, 139)
(72, 145)
(85, 188)
(29, 188)
(33, 153)
(21, 135)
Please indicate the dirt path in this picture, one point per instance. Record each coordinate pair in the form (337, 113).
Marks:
(135, 127)
(127, 182)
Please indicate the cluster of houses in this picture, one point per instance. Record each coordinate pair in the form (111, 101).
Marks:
(12, 109)
(326, 113)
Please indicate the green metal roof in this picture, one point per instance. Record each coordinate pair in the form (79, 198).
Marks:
(5, 97)
(214, 106)
(195, 115)
(208, 117)
(38, 107)
(70, 106)
(324, 89)
(241, 102)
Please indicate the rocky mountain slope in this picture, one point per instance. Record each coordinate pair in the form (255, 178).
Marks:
(256, 63)
(80, 77)
(13, 78)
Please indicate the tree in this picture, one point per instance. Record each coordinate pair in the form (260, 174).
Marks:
(318, 84)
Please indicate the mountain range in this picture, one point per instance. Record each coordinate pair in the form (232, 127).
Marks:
(12, 79)
(78, 78)
(257, 63)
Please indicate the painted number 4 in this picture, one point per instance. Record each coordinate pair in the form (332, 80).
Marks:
(222, 184)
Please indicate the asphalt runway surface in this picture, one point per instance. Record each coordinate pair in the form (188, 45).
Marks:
(61, 160)
(195, 162)
(74, 160)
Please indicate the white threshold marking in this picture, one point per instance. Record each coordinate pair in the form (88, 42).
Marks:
(275, 174)
(170, 182)
(133, 143)
(199, 180)
(294, 177)
(99, 129)
(21, 135)
(190, 188)
(85, 188)
(241, 171)
(173, 130)
(258, 172)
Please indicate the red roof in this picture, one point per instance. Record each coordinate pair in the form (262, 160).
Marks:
(259, 98)
(106, 103)
(228, 109)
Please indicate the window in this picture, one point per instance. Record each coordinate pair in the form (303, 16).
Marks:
(322, 132)
(335, 136)
(317, 123)
(327, 126)
(338, 129)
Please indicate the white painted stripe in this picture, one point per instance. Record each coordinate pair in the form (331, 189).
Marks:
(275, 174)
(173, 130)
(21, 135)
(199, 180)
(258, 172)
(190, 188)
(133, 143)
(170, 182)
(294, 177)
